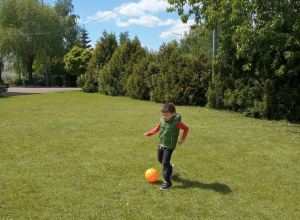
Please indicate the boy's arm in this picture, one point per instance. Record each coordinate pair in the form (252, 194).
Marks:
(154, 131)
(185, 129)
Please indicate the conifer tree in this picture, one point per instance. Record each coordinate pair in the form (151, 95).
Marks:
(84, 40)
(103, 52)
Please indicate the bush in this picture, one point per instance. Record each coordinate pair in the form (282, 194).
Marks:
(18, 82)
(8, 80)
(41, 82)
(91, 81)
(81, 81)
(111, 74)
(138, 86)
(25, 81)
(182, 79)
(58, 81)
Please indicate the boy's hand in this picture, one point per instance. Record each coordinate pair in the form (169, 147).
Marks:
(145, 134)
(180, 141)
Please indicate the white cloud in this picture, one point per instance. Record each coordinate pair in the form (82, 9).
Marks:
(143, 14)
(168, 22)
(132, 9)
(122, 24)
(147, 20)
(106, 15)
(140, 8)
(177, 29)
(153, 6)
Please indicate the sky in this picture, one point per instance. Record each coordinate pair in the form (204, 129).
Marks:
(146, 19)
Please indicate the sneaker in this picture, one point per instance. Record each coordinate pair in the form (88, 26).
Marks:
(172, 174)
(166, 186)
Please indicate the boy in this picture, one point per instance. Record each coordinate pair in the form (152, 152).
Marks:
(168, 128)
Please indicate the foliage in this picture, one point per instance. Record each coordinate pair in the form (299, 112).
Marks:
(114, 75)
(139, 82)
(123, 37)
(57, 66)
(76, 61)
(110, 75)
(5, 48)
(84, 40)
(69, 29)
(169, 75)
(81, 81)
(182, 79)
(57, 80)
(8, 80)
(90, 79)
(100, 56)
(32, 26)
(25, 81)
(258, 66)
(27, 19)
(198, 42)
(18, 81)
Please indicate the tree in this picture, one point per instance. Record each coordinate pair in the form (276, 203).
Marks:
(139, 82)
(182, 79)
(33, 25)
(102, 54)
(5, 48)
(197, 42)
(27, 38)
(69, 29)
(114, 75)
(123, 37)
(59, 73)
(110, 75)
(76, 61)
(258, 66)
(84, 40)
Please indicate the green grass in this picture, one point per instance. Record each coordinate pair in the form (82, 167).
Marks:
(72, 155)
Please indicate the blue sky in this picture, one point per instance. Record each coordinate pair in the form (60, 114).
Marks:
(146, 19)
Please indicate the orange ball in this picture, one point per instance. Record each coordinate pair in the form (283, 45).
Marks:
(151, 175)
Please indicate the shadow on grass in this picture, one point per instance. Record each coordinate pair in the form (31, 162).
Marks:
(217, 187)
(158, 182)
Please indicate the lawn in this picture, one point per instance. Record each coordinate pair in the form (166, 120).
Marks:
(72, 155)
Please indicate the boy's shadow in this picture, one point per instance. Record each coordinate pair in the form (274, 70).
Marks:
(217, 187)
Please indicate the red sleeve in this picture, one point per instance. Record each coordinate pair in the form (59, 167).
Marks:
(154, 131)
(185, 129)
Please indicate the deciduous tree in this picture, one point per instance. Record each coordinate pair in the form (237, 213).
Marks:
(76, 61)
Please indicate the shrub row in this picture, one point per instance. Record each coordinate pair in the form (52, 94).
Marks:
(166, 76)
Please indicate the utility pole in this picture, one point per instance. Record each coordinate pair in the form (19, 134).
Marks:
(215, 44)
(46, 62)
(215, 35)
(46, 65)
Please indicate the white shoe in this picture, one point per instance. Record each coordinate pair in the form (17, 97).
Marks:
(172, 174)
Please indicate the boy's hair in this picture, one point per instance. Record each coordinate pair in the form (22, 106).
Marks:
(168, 107)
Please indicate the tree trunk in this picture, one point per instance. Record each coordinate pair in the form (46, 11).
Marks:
(29, 69)
(1, 66)
(29, 62)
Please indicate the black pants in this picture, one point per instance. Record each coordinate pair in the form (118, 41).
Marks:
(164, 157)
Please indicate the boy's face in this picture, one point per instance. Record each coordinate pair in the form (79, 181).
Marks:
(168, 115)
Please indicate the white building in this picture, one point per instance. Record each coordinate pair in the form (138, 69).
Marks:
(7, 74)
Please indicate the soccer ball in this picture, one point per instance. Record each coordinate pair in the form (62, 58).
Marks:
(151, 175)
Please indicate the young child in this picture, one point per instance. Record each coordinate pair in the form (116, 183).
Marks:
(168, 128)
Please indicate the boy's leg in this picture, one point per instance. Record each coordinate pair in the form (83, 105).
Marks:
(172, 167)
(160, 153)
(167, 167)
